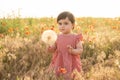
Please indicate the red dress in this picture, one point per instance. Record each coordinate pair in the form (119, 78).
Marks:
(62, 58)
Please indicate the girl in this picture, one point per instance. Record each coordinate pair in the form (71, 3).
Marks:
(67, 48)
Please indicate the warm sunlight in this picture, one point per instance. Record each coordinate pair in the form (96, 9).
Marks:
(48, 8)
(35, 44)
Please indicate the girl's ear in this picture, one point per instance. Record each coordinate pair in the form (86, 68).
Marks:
(73, 25)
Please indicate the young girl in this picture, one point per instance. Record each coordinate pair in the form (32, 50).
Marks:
(67, 48)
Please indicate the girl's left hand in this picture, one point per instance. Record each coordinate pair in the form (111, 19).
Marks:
(70, 48)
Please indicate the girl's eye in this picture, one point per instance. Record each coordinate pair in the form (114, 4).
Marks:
(60, 23)
(66, 23)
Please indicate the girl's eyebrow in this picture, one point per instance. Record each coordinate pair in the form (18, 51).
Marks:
(59, 23)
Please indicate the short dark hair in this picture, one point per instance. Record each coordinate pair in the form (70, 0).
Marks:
(66, 14)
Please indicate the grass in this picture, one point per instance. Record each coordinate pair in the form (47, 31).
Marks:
(23, 55)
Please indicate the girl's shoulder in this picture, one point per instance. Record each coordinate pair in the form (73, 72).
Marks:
(75, 35)
(78, 36)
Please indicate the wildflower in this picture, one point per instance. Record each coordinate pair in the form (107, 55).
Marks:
(1, 35)
(78, 28)
(62, 70)
(114, 27)
(42, 29)
(49, 37)
(86, 31)
(26, 28)
(3, 23)
(27, 32)
(10, 30)
(52, 27)
(91, 26)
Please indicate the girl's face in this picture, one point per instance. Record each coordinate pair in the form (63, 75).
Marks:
(65, 26)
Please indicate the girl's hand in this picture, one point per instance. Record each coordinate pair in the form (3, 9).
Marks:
(76, 51)
(51, 48)
(70, 48)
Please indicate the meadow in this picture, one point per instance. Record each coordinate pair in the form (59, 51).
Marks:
(23, 55)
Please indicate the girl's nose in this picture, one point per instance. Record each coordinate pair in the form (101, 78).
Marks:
(62, 25)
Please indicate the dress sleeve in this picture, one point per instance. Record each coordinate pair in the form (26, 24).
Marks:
(79, 37)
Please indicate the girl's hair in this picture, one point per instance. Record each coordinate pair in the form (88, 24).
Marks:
(66, 14)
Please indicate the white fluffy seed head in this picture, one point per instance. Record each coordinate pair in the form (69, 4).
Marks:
(49, 37)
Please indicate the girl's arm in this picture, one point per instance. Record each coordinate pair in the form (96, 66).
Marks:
(77, 50)
(51, 48)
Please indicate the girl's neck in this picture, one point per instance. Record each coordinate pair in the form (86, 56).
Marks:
(67, 33)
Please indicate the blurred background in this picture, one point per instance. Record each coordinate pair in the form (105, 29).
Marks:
(23, 54)
(48, 8)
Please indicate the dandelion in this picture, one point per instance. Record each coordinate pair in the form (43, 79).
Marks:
(49, 37)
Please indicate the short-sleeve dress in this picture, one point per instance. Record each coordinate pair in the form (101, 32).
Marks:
(62, 58)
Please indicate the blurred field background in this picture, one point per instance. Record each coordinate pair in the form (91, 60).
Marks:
(23, 55)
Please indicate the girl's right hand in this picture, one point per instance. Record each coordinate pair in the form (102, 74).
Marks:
(48, 47)
(51, 48)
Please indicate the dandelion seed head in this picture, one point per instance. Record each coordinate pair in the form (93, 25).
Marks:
(49, 37)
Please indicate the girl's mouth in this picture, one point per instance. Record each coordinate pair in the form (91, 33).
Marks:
(61, 29)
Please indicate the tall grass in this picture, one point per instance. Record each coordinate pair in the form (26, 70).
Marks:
(23, 55)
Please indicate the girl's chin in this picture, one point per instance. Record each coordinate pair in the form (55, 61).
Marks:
(64, 32)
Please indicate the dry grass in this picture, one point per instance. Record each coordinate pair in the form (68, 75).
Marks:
(25, 57)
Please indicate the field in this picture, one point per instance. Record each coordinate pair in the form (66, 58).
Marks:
(23, 55)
